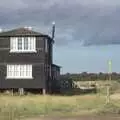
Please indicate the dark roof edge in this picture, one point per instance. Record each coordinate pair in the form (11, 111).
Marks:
(26, 32)
(42, 35)
(57, 65)
(50, 38)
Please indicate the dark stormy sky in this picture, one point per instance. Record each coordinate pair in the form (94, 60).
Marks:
(87, 31)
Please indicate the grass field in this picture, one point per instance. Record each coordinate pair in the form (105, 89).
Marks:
(12, 107)
(19, 107)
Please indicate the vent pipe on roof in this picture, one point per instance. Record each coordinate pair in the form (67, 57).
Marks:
(25, 27)
(29, 28)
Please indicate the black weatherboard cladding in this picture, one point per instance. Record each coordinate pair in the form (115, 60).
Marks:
(37, 59)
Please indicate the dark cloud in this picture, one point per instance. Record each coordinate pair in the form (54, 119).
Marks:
(91, 22)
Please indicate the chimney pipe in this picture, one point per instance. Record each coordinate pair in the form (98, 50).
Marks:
(25, 27)
(29, 28)
(53, 31)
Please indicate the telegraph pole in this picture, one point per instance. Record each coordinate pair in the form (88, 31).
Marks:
(109, 81)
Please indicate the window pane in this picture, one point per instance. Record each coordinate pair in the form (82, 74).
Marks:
(19, 43)
(20, 71)
(33, 43)
(30, 43)
(27, 70)
(13, 43)
(15, 70)
(12, 70)
(26, 43)
(8, 70)
(24, 72)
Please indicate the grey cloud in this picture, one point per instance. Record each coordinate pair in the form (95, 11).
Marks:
(92, 22)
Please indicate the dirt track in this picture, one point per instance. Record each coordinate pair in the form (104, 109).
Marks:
(79, 118)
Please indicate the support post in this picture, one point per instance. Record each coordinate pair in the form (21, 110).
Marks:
(21, 91)
(44, 91)
(109, 82)
(108, 95)
(12, 92)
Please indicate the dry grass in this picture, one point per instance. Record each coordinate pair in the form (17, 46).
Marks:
(48, 105)
(12, 107)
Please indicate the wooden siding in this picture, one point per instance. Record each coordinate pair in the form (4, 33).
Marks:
(55, 72)
(36, 59)
(37, 81)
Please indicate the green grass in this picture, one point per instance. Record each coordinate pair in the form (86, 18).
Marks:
(18, 107)
(12, 107)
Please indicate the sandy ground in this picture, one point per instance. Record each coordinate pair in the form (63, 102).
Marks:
(78, 118)
(115, 96)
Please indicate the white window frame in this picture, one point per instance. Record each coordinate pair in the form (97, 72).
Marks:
(31, 45)
(19, 71)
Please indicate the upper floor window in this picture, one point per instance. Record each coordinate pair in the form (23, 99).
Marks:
(22, 44)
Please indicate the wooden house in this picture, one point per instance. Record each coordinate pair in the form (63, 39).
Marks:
(26, 60)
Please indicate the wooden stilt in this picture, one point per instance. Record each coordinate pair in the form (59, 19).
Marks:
(44, 91)
(21, 91)
(12, 92)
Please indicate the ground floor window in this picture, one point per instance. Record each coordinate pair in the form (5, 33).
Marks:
(19, 71)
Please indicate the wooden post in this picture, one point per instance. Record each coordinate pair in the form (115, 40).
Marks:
(12, 92)
(108, 94)
(21, 91)
(109, 83)
(44, 91)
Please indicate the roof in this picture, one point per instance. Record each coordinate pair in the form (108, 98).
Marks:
(54, 65)
(21, 32)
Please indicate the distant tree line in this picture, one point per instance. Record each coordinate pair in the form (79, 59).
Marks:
(65, 84)
(84, 76)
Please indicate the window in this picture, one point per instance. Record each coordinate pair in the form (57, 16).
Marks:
(19, 71)
(22, 44)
